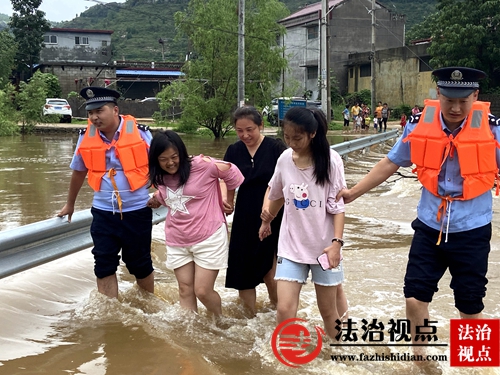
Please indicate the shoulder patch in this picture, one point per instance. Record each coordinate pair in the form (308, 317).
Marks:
(143, 127)
(493, 120)
(415, 118)
(82, 131)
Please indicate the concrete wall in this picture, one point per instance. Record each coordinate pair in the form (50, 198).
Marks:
(351, 31)
(127, 107)
(76, 77)
(398, 76)
(67, 51)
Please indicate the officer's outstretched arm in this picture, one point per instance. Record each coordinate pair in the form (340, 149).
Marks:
(381, 172)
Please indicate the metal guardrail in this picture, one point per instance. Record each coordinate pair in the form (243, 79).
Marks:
(44, 241)
(38, 243)
(363, 142)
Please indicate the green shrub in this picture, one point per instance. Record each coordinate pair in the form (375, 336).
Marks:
(187, 127)
(205, 132)
(8, 127)
(363, 96)
(72, 94)
(8, 114)
(50, 119)
(399, 110)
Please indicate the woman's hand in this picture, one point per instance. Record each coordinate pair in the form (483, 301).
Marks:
(334, 254)
(265, 230)
(153, 202)
(228, 207)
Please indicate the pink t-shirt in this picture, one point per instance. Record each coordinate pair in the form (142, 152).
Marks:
(307, 226)
(195, 209)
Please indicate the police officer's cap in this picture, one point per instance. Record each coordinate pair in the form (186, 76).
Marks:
(458, 82)
(96, 97)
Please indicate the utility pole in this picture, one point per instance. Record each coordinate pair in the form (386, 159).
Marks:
(241, 54)
(328, 83)
(372, 61)
(324, 57)
(162, 42)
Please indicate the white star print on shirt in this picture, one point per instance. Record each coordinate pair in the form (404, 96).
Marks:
(176, 201)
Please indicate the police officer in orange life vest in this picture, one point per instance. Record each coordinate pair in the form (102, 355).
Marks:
(453, 144)
(112, 152)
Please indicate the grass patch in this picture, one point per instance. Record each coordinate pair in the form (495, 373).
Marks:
(78, 121)
(336, 125)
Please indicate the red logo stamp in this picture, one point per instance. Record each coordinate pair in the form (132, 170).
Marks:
(475, 342)
(293, 345)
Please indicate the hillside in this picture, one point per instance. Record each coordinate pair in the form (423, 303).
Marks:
(4, 19)
(138, 25)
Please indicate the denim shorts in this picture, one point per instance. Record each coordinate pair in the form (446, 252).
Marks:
(288, 270)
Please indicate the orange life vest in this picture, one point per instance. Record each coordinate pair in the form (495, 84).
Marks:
(131, 149)
(475, 145)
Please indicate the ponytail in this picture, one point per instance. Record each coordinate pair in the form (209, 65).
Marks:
(313, 121)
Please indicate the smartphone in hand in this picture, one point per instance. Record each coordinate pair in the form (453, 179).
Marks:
(323, 261)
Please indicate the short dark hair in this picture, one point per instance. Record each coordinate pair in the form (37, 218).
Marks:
(162, 141)
(248, 112)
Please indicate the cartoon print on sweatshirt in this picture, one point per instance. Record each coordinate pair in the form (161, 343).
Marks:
(176, 201)
(300, 195)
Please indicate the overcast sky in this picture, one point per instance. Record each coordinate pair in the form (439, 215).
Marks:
(60, 10)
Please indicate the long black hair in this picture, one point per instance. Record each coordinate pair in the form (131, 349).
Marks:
(163, 140)
(311, 120)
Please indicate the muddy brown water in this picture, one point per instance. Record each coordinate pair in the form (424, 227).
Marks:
(52, 320)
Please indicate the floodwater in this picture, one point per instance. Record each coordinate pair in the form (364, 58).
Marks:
(52, 320)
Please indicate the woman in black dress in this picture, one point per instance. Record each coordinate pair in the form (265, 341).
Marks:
(252, 261)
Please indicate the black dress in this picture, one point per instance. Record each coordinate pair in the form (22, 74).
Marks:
(249, 258)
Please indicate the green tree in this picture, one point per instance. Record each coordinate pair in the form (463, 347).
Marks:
(52, 85)
(208, 94)
(8, 113)
(31, 99)
(8, 50)
(466, 33)
(28, 24)
(423, 29)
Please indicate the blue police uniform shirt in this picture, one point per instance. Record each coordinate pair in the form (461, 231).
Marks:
(464, 214)
(105, 199)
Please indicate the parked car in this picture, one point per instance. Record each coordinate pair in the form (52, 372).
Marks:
(272, 113)
(61, 107)
(149, 99)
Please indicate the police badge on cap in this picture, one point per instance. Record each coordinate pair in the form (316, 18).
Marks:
(458, 82)
(96, 97)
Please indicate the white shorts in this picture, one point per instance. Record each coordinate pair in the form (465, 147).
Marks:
(210, 254)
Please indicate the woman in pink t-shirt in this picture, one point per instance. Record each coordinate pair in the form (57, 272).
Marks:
(195, 227)
(306, 180)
